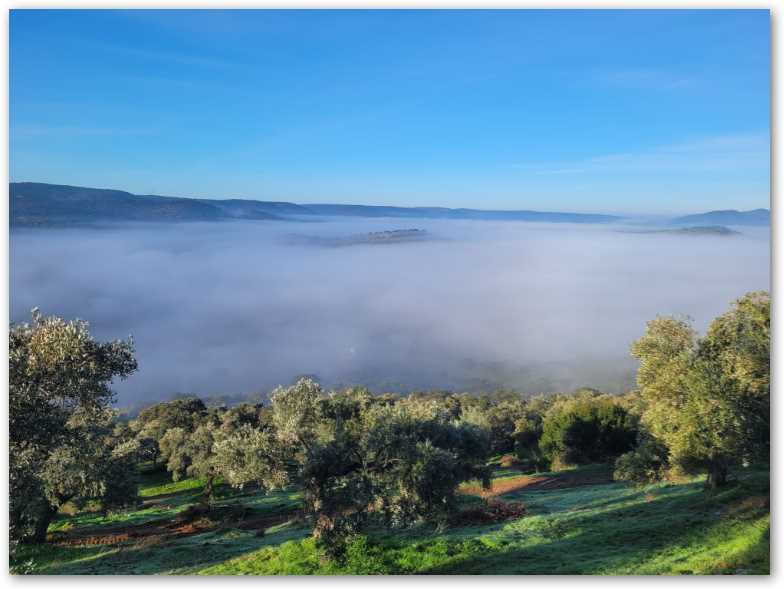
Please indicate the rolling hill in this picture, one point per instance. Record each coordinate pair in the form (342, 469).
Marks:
(35, 204)
(728, 217)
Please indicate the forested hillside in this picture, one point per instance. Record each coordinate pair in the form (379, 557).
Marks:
(669, 478)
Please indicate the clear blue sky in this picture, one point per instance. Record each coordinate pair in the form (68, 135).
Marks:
(608, 111)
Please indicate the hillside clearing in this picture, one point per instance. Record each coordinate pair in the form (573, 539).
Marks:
(576, 523)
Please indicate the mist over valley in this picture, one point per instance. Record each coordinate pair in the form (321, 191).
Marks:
(239, 307)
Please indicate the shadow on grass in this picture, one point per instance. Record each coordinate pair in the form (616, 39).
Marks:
(679, 529)
(159, 544)
(155, 555)
(668, 533)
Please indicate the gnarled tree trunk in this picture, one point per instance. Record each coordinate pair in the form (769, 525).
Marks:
(47, 514)
(717, 474)
(209, 489)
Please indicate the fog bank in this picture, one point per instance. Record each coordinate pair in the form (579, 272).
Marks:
(237, 307)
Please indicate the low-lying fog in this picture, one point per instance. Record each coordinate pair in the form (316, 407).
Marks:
(235, 308)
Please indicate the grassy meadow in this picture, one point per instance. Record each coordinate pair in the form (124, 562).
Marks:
(574, 521)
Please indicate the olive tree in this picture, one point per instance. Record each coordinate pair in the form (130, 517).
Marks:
(59, 445)
(207, 452)
(98, 466)
(154, 422)
(708, 399)
(357, 458)
(249, 455)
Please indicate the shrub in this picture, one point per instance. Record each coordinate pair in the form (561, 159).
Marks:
(363, 558)
(587, 429)
(647, 463)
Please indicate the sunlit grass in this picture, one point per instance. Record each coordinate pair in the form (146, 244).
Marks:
(171, 487)
(595, 529)
(601, 529)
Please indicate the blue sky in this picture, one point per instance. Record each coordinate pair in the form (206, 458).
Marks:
(607, 111)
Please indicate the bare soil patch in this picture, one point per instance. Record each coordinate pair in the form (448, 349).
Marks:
(538, 483)
(103, 536)
(747, 505)
(490, 512)
(194, 520)
(509, 461)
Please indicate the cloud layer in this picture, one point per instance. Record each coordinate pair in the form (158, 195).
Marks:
(234, 308)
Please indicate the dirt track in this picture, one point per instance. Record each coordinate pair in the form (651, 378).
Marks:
(157, 531)
(538, 483)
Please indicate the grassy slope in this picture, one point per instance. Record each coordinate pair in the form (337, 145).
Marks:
(598, 529)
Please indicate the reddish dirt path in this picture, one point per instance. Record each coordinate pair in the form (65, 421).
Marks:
(538, 483)
(157, 531)
(102, 535)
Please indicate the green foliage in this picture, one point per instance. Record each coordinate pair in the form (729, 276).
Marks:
(708, 400)
(604, 529)
(498, 416)
(373, 478)
(357, 459)
(587, 428)
(528, 434)
(102, 466)
(647, 463)
(154, 422)
(250, 455)
(296, 412)
(244, 414)
(594, 529)
(207, 442)
(61, 442)
(737, 346)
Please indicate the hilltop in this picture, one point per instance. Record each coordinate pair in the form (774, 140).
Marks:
(694, 231)
(728, 217)
(35, 204)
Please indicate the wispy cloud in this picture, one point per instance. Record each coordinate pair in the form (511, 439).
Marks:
(712, 154)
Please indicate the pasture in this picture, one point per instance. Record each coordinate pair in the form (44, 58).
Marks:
(575, 521)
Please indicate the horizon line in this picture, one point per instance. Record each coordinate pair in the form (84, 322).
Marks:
(410, 207)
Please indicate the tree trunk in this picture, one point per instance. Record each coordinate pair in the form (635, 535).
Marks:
(717, 474)
(47, 514)
(209, 489)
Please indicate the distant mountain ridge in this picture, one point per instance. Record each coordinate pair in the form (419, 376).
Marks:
(38, 204)
(696, 230)
(446, 213)
(727, 217)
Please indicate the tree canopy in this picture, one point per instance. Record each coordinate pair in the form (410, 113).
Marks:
(61, 445)
(708, 399)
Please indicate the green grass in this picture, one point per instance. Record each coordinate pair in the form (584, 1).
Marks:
(602, 529)
(160, 484)
(599, 529)
(163, 500)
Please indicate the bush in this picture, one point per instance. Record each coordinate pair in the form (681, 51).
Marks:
(647, 463)
(586, 430)
(363, 558)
